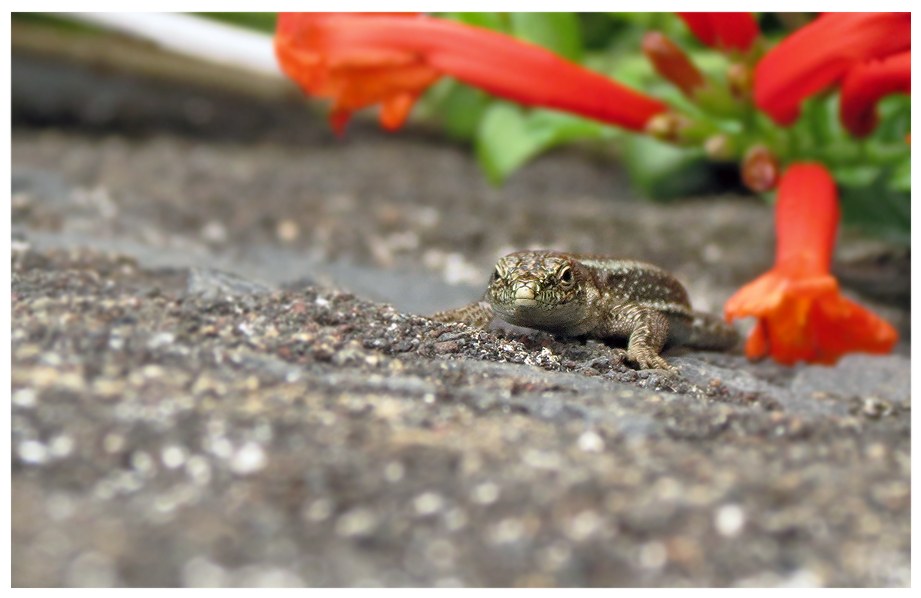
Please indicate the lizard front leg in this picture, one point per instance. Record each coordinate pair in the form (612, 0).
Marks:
(478, 314)
(647, 330)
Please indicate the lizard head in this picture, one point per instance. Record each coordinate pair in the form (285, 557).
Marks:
(538, 289)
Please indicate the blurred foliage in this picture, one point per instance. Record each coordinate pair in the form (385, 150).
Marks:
(50, 20)
(506, 137)
(260, 21)
(874, 173)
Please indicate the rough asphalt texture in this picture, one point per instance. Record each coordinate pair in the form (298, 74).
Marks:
(209, 387)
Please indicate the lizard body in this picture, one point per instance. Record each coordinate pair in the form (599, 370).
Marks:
(596, 297)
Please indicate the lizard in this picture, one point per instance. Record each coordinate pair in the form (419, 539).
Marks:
(596, 297)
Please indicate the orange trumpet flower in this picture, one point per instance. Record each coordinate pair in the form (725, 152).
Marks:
(821, 54)
(866, 84)
(360, 60)
(801, 313)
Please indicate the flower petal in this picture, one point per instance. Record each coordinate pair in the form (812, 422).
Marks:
(727, 30)
(757, 345)
(700, 25)
(846, 327)
(354, 76)
(866, 84)
(820, 54)
(360, 60)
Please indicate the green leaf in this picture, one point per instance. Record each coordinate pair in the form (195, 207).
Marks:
(901, 177)
(894, 113)
(486, 20)
(461, 110)
(856, 176)
(261, 21)
(559, 32)
(509, 136)
(502, 142)
(661, 171)
(877, 209)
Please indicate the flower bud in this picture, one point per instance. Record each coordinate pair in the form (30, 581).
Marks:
(667, 126)
(720, 147)
(671, 63)
(760, 169)
(741, 80)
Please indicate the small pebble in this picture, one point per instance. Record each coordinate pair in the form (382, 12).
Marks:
(356, 523)
(287, 231)
(485, 493)
(653, 555)
(248, 459)
(729, 520)
(428, 503)
(591, 442)
(32, 451)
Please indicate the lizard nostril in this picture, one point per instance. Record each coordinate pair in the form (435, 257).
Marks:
(525, 292)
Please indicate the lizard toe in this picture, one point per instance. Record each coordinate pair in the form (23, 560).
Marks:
(650, 361)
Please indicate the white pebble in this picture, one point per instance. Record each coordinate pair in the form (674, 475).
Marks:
(172, 456)
(394, 471)
(142, 462)
(161, 339)
(729, 520)
(250, 458)
(61, 446)
(91, 570)
(584, 525)
(214, 231)
(428, 503)
(485, 493)
(113, 442)
(199, 470)
(200, 572)
(24, 398)
(32, 451)
(653, 555)
(357, 522)
(319, 510)
(591, 442)
(507, 531)
(221, 447)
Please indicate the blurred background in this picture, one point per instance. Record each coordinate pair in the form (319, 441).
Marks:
(213, 76)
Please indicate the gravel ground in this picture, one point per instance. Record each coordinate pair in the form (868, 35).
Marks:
(221, 375)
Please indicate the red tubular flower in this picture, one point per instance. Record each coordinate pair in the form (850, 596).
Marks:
(821, 53)
(359, 60)
(726, 30)
(801, 314)
(866, 84)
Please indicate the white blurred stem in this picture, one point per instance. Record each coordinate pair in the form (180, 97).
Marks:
(192, 36)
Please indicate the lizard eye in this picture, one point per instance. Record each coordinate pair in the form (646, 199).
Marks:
(498, 273)
(566, 276)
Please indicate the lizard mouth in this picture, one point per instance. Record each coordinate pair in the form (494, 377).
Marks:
(522, 302)
(526, 295)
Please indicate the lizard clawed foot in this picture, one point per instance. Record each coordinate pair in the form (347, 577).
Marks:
(651, 361)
